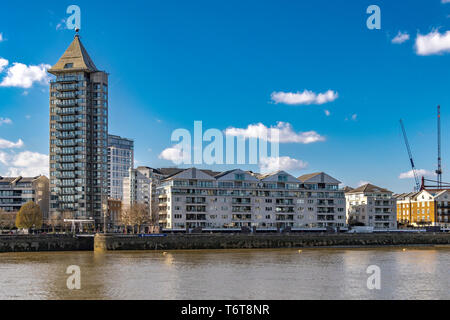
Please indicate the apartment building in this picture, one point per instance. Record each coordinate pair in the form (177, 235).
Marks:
(140, 187)
(426, 207)
(120, 160)
(234, 199)
(16, 191)
(371, 206)
(78, 137)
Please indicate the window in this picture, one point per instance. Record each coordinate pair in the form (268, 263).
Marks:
(68, 66)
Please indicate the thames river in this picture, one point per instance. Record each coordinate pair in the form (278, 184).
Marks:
(410, 273)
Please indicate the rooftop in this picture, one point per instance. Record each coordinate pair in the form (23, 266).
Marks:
(75, 58)
(366, 188)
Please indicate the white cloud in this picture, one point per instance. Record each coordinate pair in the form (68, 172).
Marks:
(1, 37)
(283, 130)
(176, 154)
(23, 76)
(327, 113)
(26, 163)
(432, 43)
(5, 121)
(5, 144)
(4, 158)
(305, 97)
(61, 25)
(3, 64)
(420, 172)
(400, 37)
(271, 164)
(29, 164)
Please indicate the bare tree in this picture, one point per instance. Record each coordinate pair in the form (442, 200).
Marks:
(7, 220)
(125, 217)
(135, 216)
(139, 215)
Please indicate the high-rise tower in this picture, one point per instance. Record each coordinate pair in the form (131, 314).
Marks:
(78, 137)
(120, 160)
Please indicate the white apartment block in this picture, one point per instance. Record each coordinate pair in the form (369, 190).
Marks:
(372, 206)
(120, 160)
(140, 187)
(234, 199)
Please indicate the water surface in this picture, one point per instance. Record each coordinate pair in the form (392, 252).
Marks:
(417, 273)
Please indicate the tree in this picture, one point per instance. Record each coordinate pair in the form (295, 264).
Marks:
(125, 217)
(139, 215)
(136, 215)
(29, 216)
(7, 220)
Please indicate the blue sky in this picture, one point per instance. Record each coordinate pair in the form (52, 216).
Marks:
(174, 62)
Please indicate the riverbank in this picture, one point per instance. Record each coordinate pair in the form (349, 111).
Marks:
(42, 243)
(101, 242)
(264, 241)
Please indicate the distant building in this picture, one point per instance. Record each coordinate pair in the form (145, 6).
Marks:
(371, 206)
(427, 207)
(16, 191)
(140, 187)
(120, 160)
(193, 198)
(325, 199)
(78, 137)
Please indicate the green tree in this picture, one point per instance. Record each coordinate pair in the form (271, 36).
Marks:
(29, 216)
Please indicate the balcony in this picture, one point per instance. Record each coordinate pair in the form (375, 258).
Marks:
(67, 111)
(195, 217)
(69, 79)
(67, 119)
(66, 87)
(64, 96)
(70, 135)
(241, 217)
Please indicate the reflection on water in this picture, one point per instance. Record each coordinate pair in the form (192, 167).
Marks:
(417, 273)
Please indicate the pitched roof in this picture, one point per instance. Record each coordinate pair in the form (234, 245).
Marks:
(403, 196)
(368, 188)
(168, 172)
(78, 56)
(12, 180)
(347, 189)
(318, 177)
(305, 177)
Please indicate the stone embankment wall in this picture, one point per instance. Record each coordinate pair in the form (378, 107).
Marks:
(45, 243)
(213, 241)
(259, 241)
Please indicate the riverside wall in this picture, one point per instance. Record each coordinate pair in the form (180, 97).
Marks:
(261, 241)
(36, 243)
(103, 242)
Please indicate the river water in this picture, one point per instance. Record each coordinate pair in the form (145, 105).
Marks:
(413, 273)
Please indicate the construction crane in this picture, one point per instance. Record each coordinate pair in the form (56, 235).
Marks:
(439, 169)
(416, 178)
